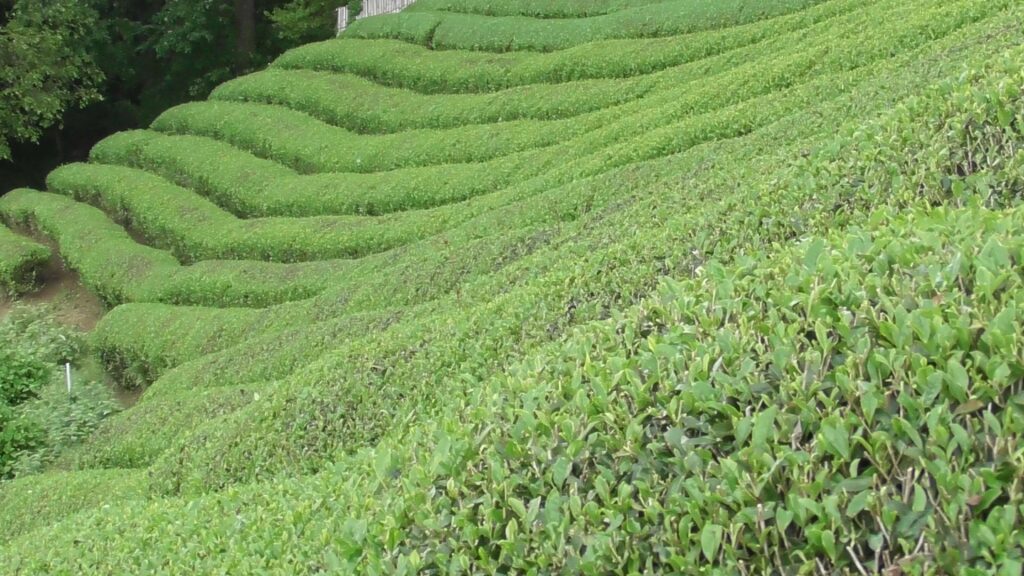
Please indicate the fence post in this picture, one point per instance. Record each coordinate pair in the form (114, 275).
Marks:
(378, 7)
(342, 20)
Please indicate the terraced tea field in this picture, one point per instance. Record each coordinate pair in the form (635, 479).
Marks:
(576, 287)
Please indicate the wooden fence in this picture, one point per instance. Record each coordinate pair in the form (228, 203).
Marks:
(371, 8)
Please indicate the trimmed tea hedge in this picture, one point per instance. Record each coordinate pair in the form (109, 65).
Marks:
(370, 108)
(249, 186)
(533, 8)
(118, 269)
(310, 145)
(446, 30)
(20, 262)
(395, 63)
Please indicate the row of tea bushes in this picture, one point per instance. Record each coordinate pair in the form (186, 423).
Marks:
(118, 269)
(398, 64)
(532, 8)
(449, 30)
(21, 260)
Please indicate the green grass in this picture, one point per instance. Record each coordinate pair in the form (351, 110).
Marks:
(741, 299)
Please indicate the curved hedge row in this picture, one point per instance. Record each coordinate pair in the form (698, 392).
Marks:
(119, 269)
(369, 108)
(310, 145)
(394, 63)
(532, 8)
(249, 186)
(139, 342)
(195, 229)
(448, 30)
(20, 262)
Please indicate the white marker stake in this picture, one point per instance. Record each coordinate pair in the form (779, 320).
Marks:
(67, 373)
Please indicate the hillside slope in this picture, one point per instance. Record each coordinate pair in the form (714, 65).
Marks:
(567, 287)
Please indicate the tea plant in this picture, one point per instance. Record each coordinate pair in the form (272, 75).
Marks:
(20, 262)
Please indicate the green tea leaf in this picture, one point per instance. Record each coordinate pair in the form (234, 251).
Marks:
(858, 503)
(828, 542)
(710, 540)
(836, 437)
(560, 471)
(957, 380)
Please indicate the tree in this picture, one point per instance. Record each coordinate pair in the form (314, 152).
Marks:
(245, 32)
(303, 21)
(45, 67)
(57, 57)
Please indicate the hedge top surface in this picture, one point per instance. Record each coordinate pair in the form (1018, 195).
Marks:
(447, 30)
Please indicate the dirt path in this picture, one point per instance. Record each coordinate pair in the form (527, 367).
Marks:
(72, 304)
(62, 290)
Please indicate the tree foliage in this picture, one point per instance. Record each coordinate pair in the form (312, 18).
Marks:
(303, 21)
(45, 67)
(73, 71)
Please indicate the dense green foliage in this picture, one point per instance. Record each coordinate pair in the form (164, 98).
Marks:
(38, 420)
(20, 262)
(744, 298)
(45, 69)
(74, 71)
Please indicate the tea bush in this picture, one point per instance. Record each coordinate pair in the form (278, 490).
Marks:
(398, 64)
(20, 262)
(309, 145)
(374, 109)
(119, 270)
(447, 30)
(534, 8)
